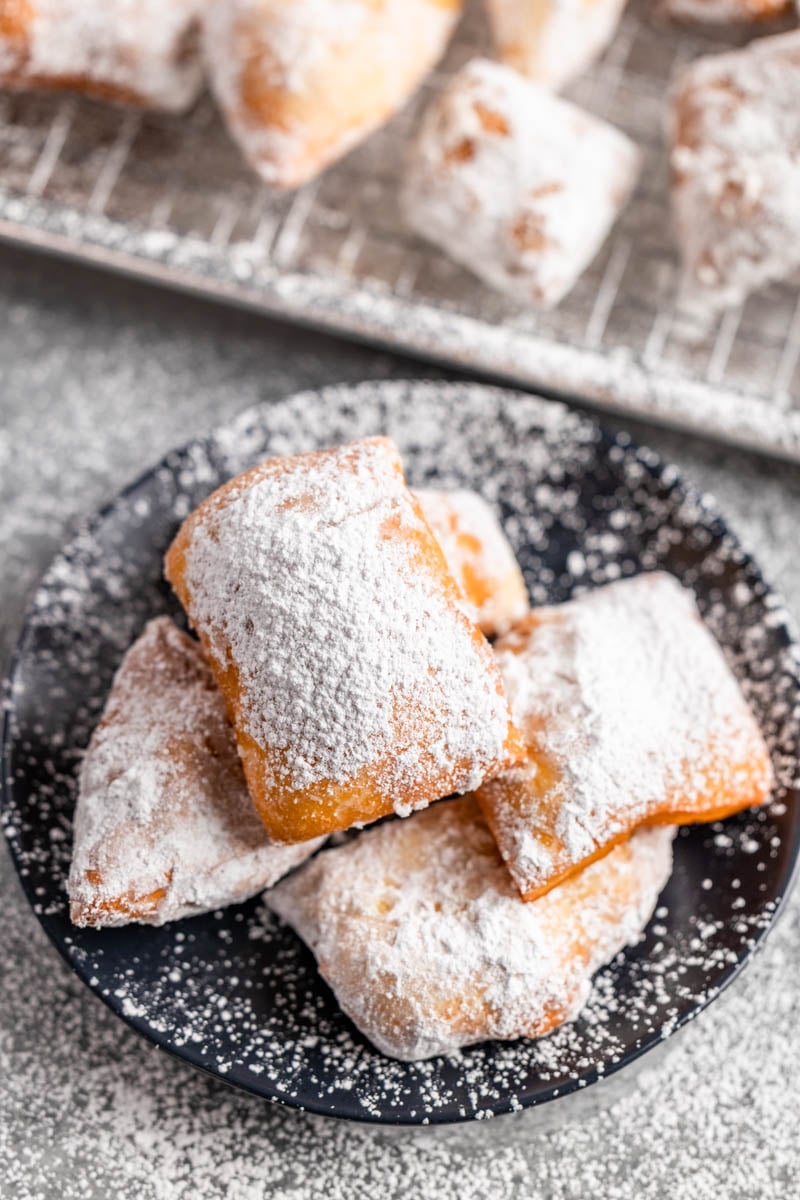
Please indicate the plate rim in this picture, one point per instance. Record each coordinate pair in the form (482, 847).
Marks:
(656, 466)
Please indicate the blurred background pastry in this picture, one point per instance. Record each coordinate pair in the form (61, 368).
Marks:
(499, 178)
(552, 41)
(300, 82)
(734, 130)
(141, 52)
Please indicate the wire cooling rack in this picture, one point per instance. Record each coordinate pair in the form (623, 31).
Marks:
(171, 200)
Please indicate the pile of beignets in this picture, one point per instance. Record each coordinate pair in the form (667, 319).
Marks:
(521, 796)
(518, 185)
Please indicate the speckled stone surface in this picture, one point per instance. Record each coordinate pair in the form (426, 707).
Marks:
(99, 377)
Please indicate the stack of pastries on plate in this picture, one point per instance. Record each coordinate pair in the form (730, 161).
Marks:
(526, 791)
(516, 184)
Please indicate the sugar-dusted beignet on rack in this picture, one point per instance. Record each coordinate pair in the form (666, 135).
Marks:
(355, 680)
(734, 128)
(499, 177)
(300, 82)
(549, 41)
(419, 931)
(164, 824)
(724, 12)
(631, 716)
(141, 52)
(478, 555)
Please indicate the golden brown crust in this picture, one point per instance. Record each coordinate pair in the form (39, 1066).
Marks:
(478, 556)
(430, 741)
(631, 718)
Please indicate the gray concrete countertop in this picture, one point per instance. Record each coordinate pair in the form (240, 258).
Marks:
(98, 378)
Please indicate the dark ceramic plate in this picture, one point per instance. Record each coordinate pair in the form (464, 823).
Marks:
(234, 992)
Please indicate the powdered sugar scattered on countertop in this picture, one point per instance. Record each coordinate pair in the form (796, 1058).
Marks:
(90, 1109)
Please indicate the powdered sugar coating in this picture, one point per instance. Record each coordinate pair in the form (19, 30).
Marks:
(632, 715)
(350, 666)
(734, 126)
(300, 82)
(141, 51)
(553, 41)
(418, 929)
(498, 178)
(164, 824)
(478, 556)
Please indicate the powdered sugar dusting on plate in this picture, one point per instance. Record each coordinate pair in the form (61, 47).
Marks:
(239, 994)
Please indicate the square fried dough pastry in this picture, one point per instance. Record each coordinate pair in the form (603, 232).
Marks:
(550, 41)
(734, 129)
(141, 52)
(420, 933)
(300, 82)
(478, 556)
(164, 824)
(499, 177)
(631, 716)
(355, 680)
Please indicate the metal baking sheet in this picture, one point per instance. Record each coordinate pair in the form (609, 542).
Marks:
(170, 199)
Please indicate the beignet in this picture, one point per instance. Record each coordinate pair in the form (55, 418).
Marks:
(631, 715)
(356, 682)
(164, 824)
(734, 128)
(551, 41)
(478, 556)
(499, 176)
(420, 933)
(300, 82)
(141, 52)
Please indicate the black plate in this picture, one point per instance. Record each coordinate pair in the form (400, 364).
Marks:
(237, 994)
